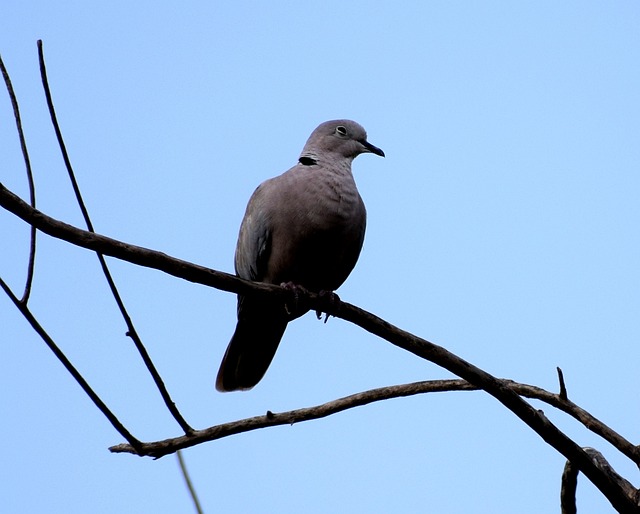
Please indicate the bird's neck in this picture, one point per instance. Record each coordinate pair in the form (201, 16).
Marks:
(329, 161)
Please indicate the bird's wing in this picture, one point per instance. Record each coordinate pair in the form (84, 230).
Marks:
(254, 240)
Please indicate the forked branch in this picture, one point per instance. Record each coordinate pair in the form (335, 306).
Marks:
(622, 495)
(368, 321)
(131, 330)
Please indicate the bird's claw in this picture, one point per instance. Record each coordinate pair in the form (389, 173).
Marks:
(330, 302)
(296, 291)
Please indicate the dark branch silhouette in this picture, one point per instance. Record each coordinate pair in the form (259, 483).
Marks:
(161, 448)
(622, 495)
(24, 310)
(570, 482)
(368, 321)
(131, 330)
(563, 387)
(30, 181)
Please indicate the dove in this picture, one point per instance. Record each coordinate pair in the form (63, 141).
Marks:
(304, 228)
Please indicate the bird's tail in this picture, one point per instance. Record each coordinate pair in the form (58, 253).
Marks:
(254, 343)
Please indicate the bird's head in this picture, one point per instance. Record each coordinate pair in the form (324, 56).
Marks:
(340, 138)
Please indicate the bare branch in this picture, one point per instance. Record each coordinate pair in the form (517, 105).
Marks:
(570, 482)
(569, 485)
(369, 322)
(22, 307)
(131, 330)
(32, 187)
(270, 419)
(589, 421)
(533, 418)
(626, 486)
(130, 253)
(61, 143)
(398, 391)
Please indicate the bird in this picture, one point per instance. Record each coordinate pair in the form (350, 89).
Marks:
(304, 228)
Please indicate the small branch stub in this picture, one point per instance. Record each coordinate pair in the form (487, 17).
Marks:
(563, 387)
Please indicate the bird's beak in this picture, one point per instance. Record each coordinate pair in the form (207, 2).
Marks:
(373, 149)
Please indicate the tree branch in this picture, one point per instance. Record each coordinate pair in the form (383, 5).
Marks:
(131, 253)
(569, 486)
(30, 181)
(22, 307)
(373, 324)
(570, 482)
(588, 420)
(160, 448)
(131, 330)
(271, 419)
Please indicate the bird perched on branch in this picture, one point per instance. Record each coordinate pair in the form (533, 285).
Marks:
(303, 228)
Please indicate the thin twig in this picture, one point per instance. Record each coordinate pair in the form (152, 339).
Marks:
(368, 321)
(187, 479)
(160, 448)
(32, 187)
(131, 330)
(70, 367)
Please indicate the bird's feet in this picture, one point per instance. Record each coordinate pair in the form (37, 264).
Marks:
(294, 306)
(329, 301)
(297, 304)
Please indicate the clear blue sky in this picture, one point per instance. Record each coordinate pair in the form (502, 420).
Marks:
(503, 225)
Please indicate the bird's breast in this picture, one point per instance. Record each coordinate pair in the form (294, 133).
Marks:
(321, 234)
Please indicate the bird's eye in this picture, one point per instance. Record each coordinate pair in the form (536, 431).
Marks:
(341, 131)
